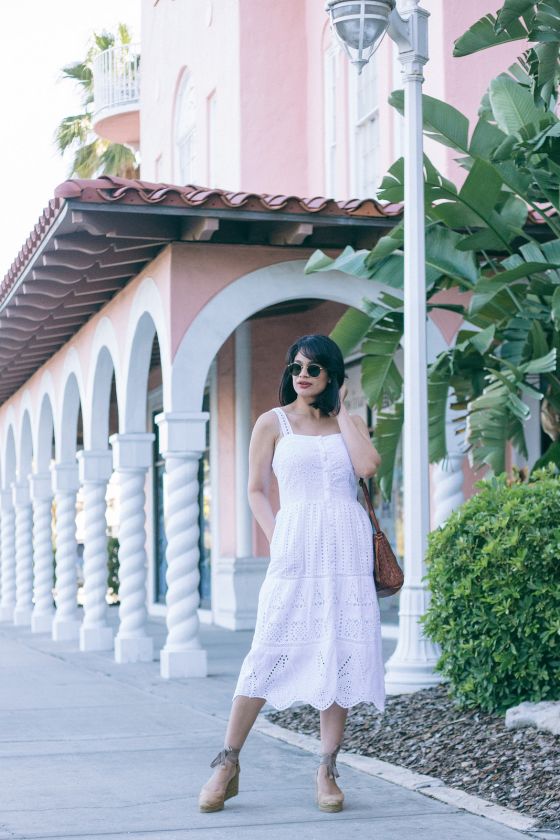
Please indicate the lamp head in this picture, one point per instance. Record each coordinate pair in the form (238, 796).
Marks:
(360, 25)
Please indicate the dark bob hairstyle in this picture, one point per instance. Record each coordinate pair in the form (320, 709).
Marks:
(323, 350)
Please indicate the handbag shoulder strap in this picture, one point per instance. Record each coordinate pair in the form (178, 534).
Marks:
(369, 505)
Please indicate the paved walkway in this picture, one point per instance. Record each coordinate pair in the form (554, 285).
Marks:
(90, 749)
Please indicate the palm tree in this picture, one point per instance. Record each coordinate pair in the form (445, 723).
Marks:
(93, 156)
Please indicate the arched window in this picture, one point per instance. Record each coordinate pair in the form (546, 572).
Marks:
(330, 66)
(364, 101)
(185, 132)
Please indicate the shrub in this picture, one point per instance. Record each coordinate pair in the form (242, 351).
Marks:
(113, 570)
(494, 576)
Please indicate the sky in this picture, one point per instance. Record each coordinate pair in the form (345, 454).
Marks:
(39, 38)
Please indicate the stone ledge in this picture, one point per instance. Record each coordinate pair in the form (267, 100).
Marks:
(544, 716)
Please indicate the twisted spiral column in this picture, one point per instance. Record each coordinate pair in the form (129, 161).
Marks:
(182, 655)
(448, 487)
(7, 536)
(95, 470)
(43, 559)
(132, 457)
(24, 554)
(66, 625)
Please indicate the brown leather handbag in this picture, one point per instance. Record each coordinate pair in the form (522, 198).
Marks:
(387, 573)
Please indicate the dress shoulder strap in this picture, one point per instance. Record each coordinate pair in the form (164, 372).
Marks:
(285, 427)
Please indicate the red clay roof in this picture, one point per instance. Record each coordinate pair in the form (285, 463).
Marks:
(112, 189)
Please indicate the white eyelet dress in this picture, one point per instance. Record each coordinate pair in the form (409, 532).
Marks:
(317, 637)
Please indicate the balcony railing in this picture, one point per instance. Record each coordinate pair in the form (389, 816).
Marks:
(116, 78)
(116, 94)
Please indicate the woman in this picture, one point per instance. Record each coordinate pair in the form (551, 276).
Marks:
(317, 637)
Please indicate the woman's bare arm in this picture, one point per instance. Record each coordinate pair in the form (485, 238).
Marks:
(261, 452)
(364, 456)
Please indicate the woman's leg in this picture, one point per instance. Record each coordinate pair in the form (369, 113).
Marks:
(333, 721)
(243, 714)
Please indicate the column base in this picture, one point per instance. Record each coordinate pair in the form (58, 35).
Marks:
(134, 649)
(22, 616)
(175, 664)
(66, 630)
(408, 678)
(96, 638)
(235, 591)
(7, 613)
(42, 622)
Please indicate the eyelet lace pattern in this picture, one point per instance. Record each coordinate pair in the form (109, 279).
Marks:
(317, 637)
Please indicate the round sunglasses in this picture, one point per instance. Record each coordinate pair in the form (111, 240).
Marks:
(313, 369)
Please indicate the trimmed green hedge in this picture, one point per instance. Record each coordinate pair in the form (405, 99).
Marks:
(494, 576)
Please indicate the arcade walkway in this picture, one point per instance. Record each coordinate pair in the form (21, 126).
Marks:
(90, 749)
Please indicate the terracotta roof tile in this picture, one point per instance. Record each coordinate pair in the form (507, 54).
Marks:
(111, 189)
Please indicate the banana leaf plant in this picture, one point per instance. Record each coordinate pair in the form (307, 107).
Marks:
(496, 237)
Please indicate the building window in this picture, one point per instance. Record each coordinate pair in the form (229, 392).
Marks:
(330, 103)
(185, 132)
(365, 100)
(212, 146)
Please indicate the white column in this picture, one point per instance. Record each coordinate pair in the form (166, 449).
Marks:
(43, 557)
(447, 475)
(66, 623)
(243, 515)
(24, 553)
(8, 536)
(95, 467)
(132, 455)
(182, 441)
(412, 664)
(238, 578)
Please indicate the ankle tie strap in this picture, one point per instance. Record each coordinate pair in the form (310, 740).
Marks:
(227, 754)
(330, 760)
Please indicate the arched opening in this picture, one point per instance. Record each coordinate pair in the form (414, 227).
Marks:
(45, 437)
(277, 303)
(25, 459)
(102, 423)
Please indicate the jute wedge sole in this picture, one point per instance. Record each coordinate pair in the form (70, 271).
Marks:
(329, 802)
(210, 802)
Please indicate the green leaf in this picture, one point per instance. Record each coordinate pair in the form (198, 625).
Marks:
(482, 35)
(511, 11)
(442, 122)
(485, 139)
(482, 188)
(512, 105)
(380, 377)
(556, 308)
(386, 439)
(349, 261)
(489, 287)
(350, 330)
(439, 375)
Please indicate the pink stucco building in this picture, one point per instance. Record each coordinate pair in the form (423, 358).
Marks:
(143, 326)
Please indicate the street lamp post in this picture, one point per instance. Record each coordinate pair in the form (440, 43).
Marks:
(360, 25)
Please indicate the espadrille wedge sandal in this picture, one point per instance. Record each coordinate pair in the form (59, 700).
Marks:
(213, 798)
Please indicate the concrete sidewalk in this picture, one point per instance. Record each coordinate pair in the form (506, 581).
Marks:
(90, 749)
